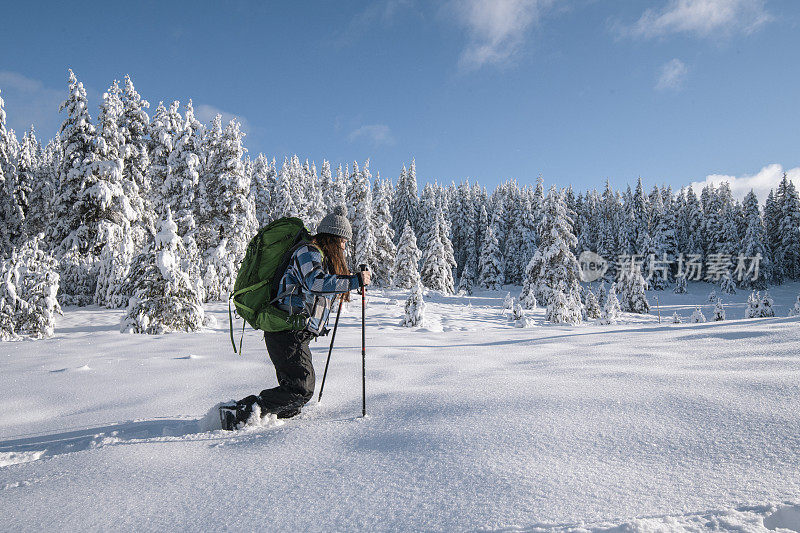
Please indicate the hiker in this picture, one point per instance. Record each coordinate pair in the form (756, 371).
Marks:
(317, 274)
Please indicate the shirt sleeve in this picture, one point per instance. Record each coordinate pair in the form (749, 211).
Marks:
(314, 279)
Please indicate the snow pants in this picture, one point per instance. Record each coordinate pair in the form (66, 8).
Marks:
(291, 356)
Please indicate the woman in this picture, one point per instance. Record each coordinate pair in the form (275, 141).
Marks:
(316, 275)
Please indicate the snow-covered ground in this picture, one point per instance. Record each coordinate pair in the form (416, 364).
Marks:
(472, 425)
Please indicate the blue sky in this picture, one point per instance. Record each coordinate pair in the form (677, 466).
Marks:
(674, 91)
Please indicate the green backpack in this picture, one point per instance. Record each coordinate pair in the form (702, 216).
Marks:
(262, 268)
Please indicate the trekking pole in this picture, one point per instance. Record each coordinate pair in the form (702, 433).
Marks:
(659, 310)
(363, 268)
(333, 336)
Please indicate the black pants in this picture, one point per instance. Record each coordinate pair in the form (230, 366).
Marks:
(291, 356)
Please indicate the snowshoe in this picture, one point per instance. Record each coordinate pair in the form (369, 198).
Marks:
(228, 417)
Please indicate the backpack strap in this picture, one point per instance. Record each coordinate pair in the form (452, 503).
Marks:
(287, 258)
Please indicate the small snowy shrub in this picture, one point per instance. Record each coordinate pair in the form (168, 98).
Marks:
(415, 308)
(719, 311)
(611, 309)
(753, 304)
(519, 317)
(712, 297)
(766, 309)
(795, 311)
(676, 319)
(697, 316)
(508, 302)
(680, 284)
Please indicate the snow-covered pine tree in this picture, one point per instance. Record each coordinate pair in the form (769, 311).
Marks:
(40, 200)
(21, 189)
(719, 311)
(359, 211)
(754, 243)
(385, 250)
(262, 187)
(230, 215)
(406, 273)
(726, 284)
(10, 224)
(406, 200)
(601, 294)
(315, 202)
(554, 261)
(795, 311)
(415, 308)
(765, 307)
(163, 298)
(611, 309)
(135, 126)
(789, 246)
(90, 193)
(697, 316)
(162, 139)
(508, 302)
(632, 287)
(283, 201)
(180, 187)
(426, 214)
(114, 264)
(676, 319)
(220, 273)
(519, 317)
(467, 280)
(680, 284)
(712, 297)
(437, 266)
(491, 269)
(753, 305)
(327, 185)
(592, 306)
(28, 288)
(562, 308)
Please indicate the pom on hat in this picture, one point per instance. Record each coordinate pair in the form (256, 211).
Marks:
(340, 210)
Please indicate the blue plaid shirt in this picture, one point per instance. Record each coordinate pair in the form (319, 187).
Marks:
(310, 289)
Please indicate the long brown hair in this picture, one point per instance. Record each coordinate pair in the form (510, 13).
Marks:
(334, 256)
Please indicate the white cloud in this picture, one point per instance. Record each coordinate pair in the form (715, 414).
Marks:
(28, 101)
(206, 113)
(496, 28)
(761, 183)
(672, 75)
(704, 18)
(377, 134)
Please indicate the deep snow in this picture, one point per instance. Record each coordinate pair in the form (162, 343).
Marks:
(473, 424)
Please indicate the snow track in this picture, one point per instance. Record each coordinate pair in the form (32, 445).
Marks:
(632, 427)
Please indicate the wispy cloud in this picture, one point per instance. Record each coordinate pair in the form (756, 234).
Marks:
(761, 182)
(206, 113)
(377, 134)
(672, 75)
(381, 12)
(702, 18)
(28, 101)
(496, 28)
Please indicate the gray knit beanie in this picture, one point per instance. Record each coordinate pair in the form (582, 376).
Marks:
(336, 223)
